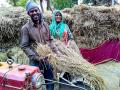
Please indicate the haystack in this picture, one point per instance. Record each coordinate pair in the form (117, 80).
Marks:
(91, 24)
(71, 62)
(94, 24)
(11, 21)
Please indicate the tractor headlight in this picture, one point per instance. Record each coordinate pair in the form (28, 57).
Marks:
(37, 80)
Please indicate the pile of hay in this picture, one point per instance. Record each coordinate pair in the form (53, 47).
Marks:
(11, 21)
(71, 62)
(93, 24)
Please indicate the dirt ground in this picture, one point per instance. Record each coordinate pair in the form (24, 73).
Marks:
(110, 72)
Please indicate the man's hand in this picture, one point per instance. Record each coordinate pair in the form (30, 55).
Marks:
(44, 59)
(59, 54)
(40, 58)
(43, 62)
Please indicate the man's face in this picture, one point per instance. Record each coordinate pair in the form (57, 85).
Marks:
(58, 17)
(34, 13)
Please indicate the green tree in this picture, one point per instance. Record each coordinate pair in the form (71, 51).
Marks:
(12, 2)
(21, 3)
(86, 1)
(74, 1)
(60, 4)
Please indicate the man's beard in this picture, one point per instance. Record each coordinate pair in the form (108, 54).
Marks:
(36, 18)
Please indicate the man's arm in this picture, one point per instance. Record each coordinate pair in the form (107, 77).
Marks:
(50, 39)
(25, 44)
(51, 44)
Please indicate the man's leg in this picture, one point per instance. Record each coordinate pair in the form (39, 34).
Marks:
(48, 74)
(34, 63)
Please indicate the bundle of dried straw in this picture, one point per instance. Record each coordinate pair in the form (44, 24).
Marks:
(71, 62)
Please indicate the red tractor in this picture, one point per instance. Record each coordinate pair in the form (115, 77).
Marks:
(25, 77)
(20, 77)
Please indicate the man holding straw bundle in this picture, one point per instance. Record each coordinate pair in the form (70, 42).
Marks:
(33, 32)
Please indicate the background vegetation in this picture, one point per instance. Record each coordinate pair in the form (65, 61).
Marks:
(58, 4)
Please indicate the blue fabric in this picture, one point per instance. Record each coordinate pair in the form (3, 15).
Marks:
(47, 72)
(30, 5)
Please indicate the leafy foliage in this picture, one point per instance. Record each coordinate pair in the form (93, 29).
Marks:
(21, 3)
(75, 1)
(60, 4)
(12, 2)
